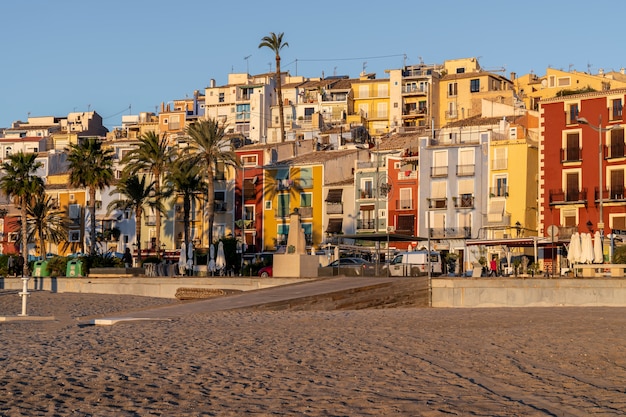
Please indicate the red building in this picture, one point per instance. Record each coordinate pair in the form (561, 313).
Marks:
(582, 163)
(249, 206)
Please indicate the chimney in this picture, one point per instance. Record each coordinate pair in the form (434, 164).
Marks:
(513, 76)
(212, 83)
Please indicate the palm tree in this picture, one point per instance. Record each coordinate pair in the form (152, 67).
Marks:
(20, 181)
(91, 166)
(275, 43)
(136, 195)
(45, 221)
(154, 156)
(207, 146)
(185, 179)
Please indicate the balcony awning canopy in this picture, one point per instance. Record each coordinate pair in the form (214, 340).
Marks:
(512, 242)
(334, 195)
(334, 226)
(383, 237)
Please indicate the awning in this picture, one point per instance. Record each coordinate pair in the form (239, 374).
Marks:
(334, 196)
(514, 242)
(366, 207)
(334, 226)
(496, 211)
(383, 237)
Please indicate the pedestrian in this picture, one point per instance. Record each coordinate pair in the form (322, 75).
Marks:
(493, 265)
(10, 266)
(19, 266)
(127, 258)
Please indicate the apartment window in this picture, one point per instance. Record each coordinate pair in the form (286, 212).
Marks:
(249, 160)
(475, 86)
(500, 187)
(364, 91)
(306, 199)
(306, 177)
(616, 112)
(568, 218)
(367, 188)
(406, 200)
(221, 98)
(452, 89)
(174, 122)
(243, 112)
(573, 113)
(572, 147)
(617, 143)
(381, 109)
(283, 205)
(617, 184)
(572, 191)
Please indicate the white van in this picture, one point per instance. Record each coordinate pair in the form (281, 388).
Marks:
(413, 264)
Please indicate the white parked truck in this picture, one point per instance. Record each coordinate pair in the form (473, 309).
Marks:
(413, 264)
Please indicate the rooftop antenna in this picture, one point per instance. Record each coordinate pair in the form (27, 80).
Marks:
(270, 64)
(335, 71)
(246, 58)
(364, 66)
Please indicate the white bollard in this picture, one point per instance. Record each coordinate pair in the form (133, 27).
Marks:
(24, 294)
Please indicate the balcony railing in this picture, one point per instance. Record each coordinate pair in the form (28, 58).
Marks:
(451, 232)
(438, 171)
(561, 196)
(334, 208)
(221, 206)
(437, 203)
(465, 170)
(616, 151)
(365, 224)
(306, 212)
(366, 193)
(615, 193)
(571, 154)
(499, 191)
(463, 201)
(281, 212)
(404, 204)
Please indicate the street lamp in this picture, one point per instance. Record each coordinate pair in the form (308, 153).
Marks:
(600, 131)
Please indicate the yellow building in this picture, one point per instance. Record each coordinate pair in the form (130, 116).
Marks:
(371, 104)
(297, 183)
(465, 85)
(513, 172)
(532, 88)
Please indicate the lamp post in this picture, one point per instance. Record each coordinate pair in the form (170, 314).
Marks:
(600, 131)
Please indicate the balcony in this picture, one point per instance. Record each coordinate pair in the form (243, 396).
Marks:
(306, 212)
(463, 201)
(502, 191)
(220, 206)
(281, 212)
(465, 170)
(615, 193)
(572, 196)
(437, 203)
(438, 172)
(616, 151)
(366, 193)
(334, 208)
(365, 224)
(404, 204)
(571, 154)
(451, 233)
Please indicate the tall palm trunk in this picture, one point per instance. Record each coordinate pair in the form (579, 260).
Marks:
(210, 206)
(23, 214)
(92, 212)
(138, 213)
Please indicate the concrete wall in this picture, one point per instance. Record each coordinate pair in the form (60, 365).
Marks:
(163, 287)
(528, 292)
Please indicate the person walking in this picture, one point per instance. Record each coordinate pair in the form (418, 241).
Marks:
(19, 266)
(493, 266)
(127, 258)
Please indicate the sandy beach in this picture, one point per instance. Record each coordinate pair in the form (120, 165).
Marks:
(405, 362)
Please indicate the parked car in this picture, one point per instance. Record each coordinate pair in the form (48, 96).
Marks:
(348, 267)
(266, 271)
(413, 264)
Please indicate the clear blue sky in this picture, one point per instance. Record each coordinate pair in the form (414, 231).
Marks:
(77, 55)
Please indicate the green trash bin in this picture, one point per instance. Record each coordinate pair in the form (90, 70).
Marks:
(40, 269)
(74, 268)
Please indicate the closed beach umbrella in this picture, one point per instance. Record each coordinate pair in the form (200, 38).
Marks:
(182, 259)
(220, 261)
(573, 251)
(598, 256)
(211, 264)
(190, 256)
(586, 256)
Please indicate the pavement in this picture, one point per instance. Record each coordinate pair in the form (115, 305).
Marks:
(247, 299)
